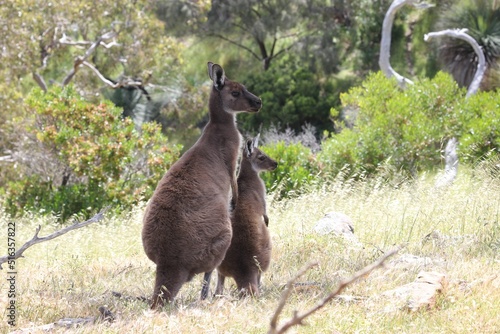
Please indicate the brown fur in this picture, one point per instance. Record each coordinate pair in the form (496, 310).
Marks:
(250, 250)
(186, 227)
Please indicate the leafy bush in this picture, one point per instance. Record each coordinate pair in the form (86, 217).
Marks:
(406, 129)
(79, 157)
(480, 136)
(397, 132)
(293, 96)
(296, 169)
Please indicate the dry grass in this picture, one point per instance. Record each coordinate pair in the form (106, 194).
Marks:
(73, 275)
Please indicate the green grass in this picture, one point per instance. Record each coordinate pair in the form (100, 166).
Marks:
(71, 276)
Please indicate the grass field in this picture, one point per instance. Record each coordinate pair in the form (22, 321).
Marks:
(73, 275)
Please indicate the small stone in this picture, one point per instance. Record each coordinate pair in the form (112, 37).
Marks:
(338, 224)
(419, 294)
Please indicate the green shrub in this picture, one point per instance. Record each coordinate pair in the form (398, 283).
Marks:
(296, 169)
(403, 127)
(292, 96)
(92, 157)
(480, 136)
(406, 129)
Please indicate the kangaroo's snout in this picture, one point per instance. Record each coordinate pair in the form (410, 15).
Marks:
(274, 165)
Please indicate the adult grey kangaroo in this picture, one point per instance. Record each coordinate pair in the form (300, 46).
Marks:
(250, 250)
(187, 228)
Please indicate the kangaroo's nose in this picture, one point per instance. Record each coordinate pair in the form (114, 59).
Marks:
(258, 103)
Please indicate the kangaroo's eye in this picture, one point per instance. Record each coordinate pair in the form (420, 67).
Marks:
(262, 158)
(235, 93)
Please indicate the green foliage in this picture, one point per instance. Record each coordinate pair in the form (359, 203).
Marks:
(265, 29)
(480, 136)
(95, 157)
(366, 33)
(41, 37)
(296, 169)
(406, 129)
(47, 37)
(395, 131)
(182, 17)
(33, 194)
(293, 96)
(183, 118)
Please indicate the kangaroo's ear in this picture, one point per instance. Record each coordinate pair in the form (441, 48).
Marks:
(216, 73)
(256, 140)
(249, 148)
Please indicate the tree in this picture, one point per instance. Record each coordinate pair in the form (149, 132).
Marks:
(45, 38)
(105, 49)
(293, 96)
(118, 45)
(481, 18)
(385, 47)
(265, 30)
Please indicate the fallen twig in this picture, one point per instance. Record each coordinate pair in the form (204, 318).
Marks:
(285, 294)
(35, 240)
(298, 317)
(71, 323)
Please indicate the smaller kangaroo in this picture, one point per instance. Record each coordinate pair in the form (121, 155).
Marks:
(250, 251)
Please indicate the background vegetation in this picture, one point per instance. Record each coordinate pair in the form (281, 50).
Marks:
(314, 63)
(79, 157)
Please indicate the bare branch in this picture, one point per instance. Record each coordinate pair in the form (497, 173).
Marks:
(80, 60)
(109, 82)
(481, 66)
(273, 46)
(286, 294)
(39, 80)
(385, 44)
(237, 44)
(35, 240)
(110, 45)
(64, 40)
(299, 317)
(285, 49)
(67, 41)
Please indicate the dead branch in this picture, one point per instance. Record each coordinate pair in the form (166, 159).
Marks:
(64, 40)
(35, 240)
(297, 318)
(285, 294)
(385, 44)
(481, 66)
(82, 60)
(39, 80)
(109, 82)
(79, 60)
(70, 323)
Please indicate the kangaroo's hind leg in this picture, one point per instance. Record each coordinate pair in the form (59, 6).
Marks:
(167, 284)
(205, 287)
(219, 290)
